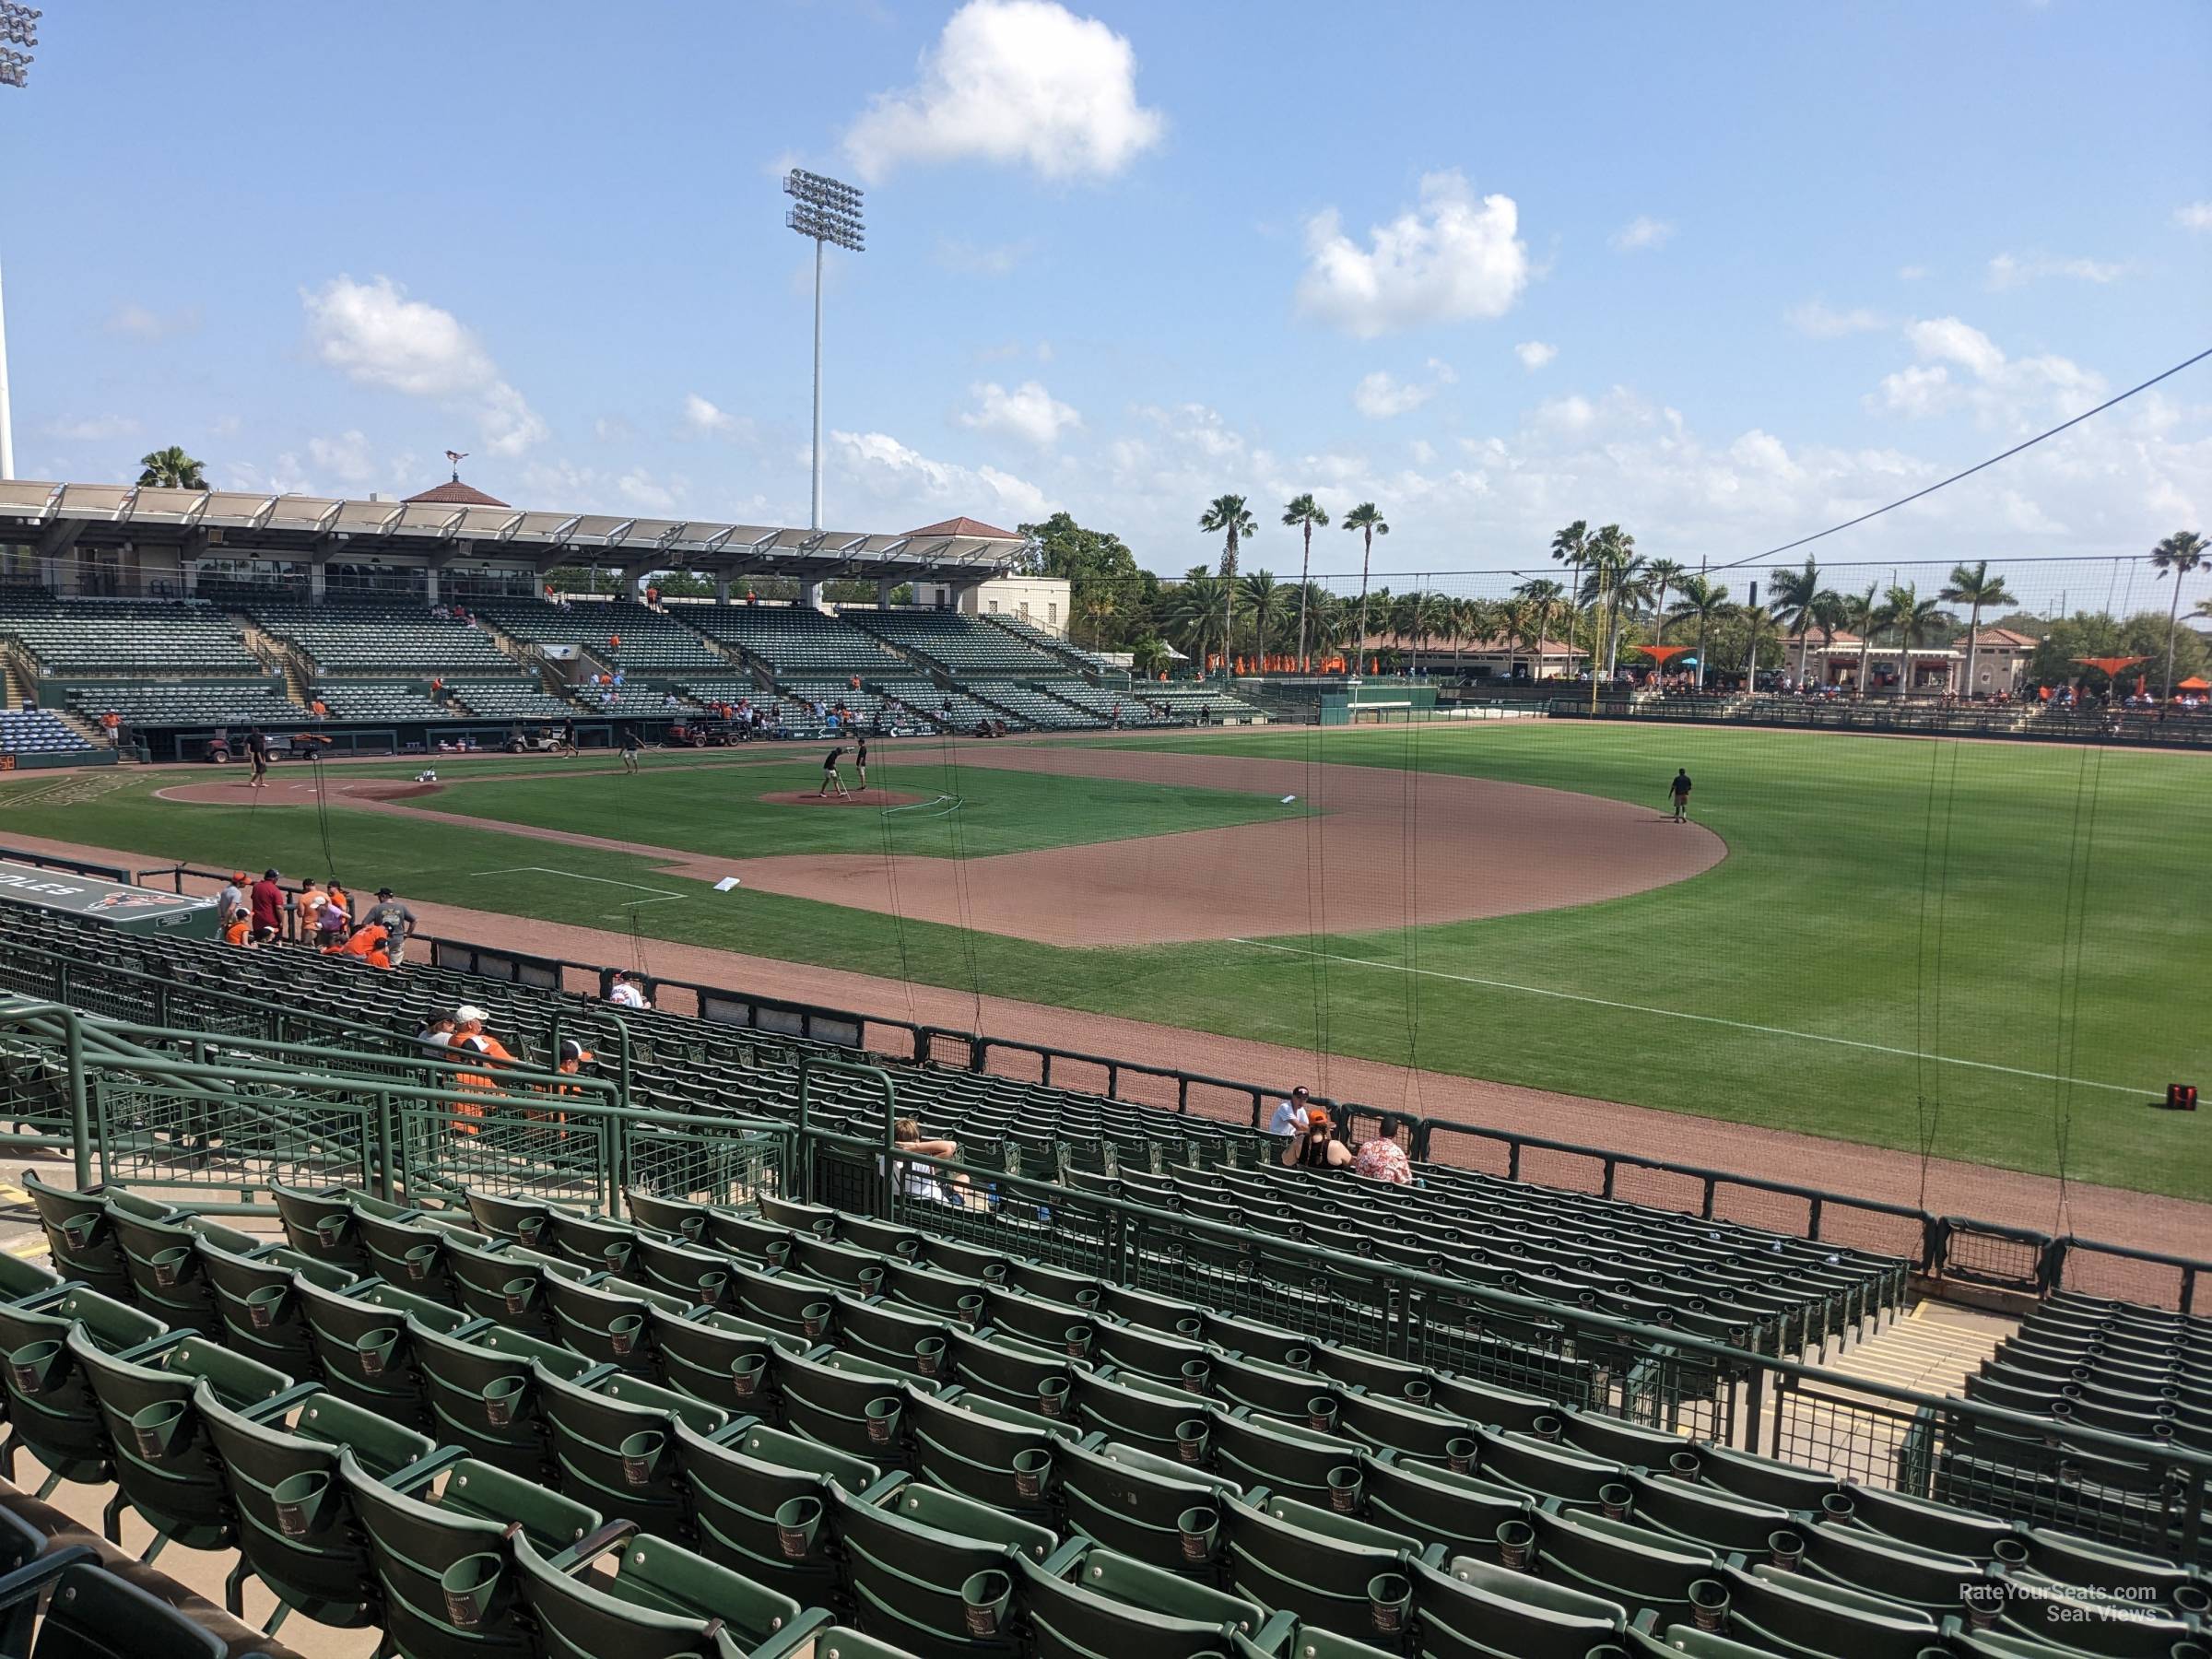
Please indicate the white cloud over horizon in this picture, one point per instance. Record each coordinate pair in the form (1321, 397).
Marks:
(375, 336)
(1380, 395)
(1028, 412)
(1535, 354)
(1016, 83)
(1821, 322)
(2008, 271)
(1454, 258)
(2193, 215)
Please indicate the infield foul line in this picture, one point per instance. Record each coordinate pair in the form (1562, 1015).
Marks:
(665, 896)
(1740, 1025)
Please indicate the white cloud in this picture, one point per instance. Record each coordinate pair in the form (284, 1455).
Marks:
(1535, 354)
(1823, 323)
(612, 428)
(2007, 272)
(1382, 395)
(641, 489)
(345, 458)
(701, 416)
(896, 476)
(2013, 395)
(1451, 259)
(1019, 83)
(373, 333)
(93, 429)
(1641, 232)
(2193, 215)
(980, 259)
(137, 323)
(1028, 412)
(1911, 273)
(1423, 452)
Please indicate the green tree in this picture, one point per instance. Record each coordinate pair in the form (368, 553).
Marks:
(1570, 547)
(1229, 518)
(1704, 601)
(1664, 574)
(1104, 579)
(2176, 555)
(1973, 585)
(1863, 615)
(1266, 601)
(1368, 520)
(170, 469)
(1148, 656)
(1197, 612)
(1544, 593)
(1912, 621)
(2096, 634)
(1793, 597)
(1304, 515)
(1830, 614)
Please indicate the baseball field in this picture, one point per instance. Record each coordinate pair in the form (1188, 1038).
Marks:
(1981, 951)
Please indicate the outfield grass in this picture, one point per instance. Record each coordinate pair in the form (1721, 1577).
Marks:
(1883, 901)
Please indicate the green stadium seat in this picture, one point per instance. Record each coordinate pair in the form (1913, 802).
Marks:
(51, 1409)
(613, 1443)
(1770, 1608)
(422, 1528)
(993, 1454)
(363, 1350)
(848, 1402)
(1437, 1504)
(665, 1601)
(1090, 1602)
(1135, 1503)
(932, 1572)
(477, 1383)
(1316, 1564)
(258, 1312)
(80, 1234)
(1472, 1609)
(297, 1530)
(759, 1503)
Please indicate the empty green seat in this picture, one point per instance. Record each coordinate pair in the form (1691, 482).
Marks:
(51, 1411)
(1472, 1609)
(849, 1403)
(363, 1348)
(607, 1322)
(259, 1312)
(933, 1573)
(1438, 1504)
(1768, 1608)
(421, 1530)
(79, 1234)
(1299, 1463)
(721, 1358)
(1094, 1603)
(993, 1454)
(167, 1465)
(614, 1445)
(1133, 1502)
(297, 1530)
(760, 1500)
(1317, 1564)
(477, 1387)
(664, 1601)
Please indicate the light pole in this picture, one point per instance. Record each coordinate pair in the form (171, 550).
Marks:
(829, 211)
(18, 27)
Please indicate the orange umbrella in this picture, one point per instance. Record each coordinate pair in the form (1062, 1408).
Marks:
(2111, 665)
(2195, 682)
(1662, 655)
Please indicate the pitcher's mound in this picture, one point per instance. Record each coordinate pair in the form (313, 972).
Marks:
(294, 792)
(854, 797)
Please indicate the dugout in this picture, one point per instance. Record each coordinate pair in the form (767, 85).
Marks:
(110, 903)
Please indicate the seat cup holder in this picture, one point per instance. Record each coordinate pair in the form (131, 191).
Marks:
(641, 1454)
(501, 1397)
(1709, 1604)
(1190, 1440)
(1516, 1544)
(299, 1500)
(882, 1416)
(469, 1588)
(983, 1600)
(798, 1522)
(1460, 1454)
(1198, 1533)
(1032, 1472)
(1614, 1501)
(1389, 1600)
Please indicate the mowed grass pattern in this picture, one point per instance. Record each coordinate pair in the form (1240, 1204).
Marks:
(1883, 902)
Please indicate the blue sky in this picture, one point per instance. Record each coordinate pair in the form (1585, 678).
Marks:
(1722, 274)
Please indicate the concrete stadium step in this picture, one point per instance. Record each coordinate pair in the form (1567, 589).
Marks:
(1934, 1348)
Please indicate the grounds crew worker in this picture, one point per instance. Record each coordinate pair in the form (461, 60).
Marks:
(470, 1038)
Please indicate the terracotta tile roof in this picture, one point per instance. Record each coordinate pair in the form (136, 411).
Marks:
(454, 493)
(965, 526)
(2004, 639)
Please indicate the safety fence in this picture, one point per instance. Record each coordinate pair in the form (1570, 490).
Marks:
(1987, 1254)
(1903, 717)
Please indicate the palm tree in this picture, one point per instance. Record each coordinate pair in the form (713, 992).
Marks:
(1543, 593)
(1148, 656)
(1973, 585)
(1570, 547)
(1195, 609)
(170, 469)
(1098, 605)
(1473, 620)
(2181, 553)
(1911, 620)
(1794, 592)
(1828, 613)
(1367, 521)
(1266, 599)
(1704, 600)
(1759, 623)
(1863, 615)
(1304, 513)
(1228, 516)
(1522, 624)
(1327, 619)
(1663, 574)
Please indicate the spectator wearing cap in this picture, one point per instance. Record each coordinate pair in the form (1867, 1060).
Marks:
(470, 1040)
(307, 911)
(628, 992)
(1315, 1146)
(268, 909)
(233, 895)
(366, 944)
(572, 1058)
(397, 920)
(436, 1033)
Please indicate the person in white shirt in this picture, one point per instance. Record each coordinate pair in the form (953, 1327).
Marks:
(1289, 1116)
(626, 993)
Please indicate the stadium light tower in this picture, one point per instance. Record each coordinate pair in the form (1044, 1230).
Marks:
(18, 27)
(829, 211)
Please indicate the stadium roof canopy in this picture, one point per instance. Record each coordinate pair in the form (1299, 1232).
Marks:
(234, 523)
